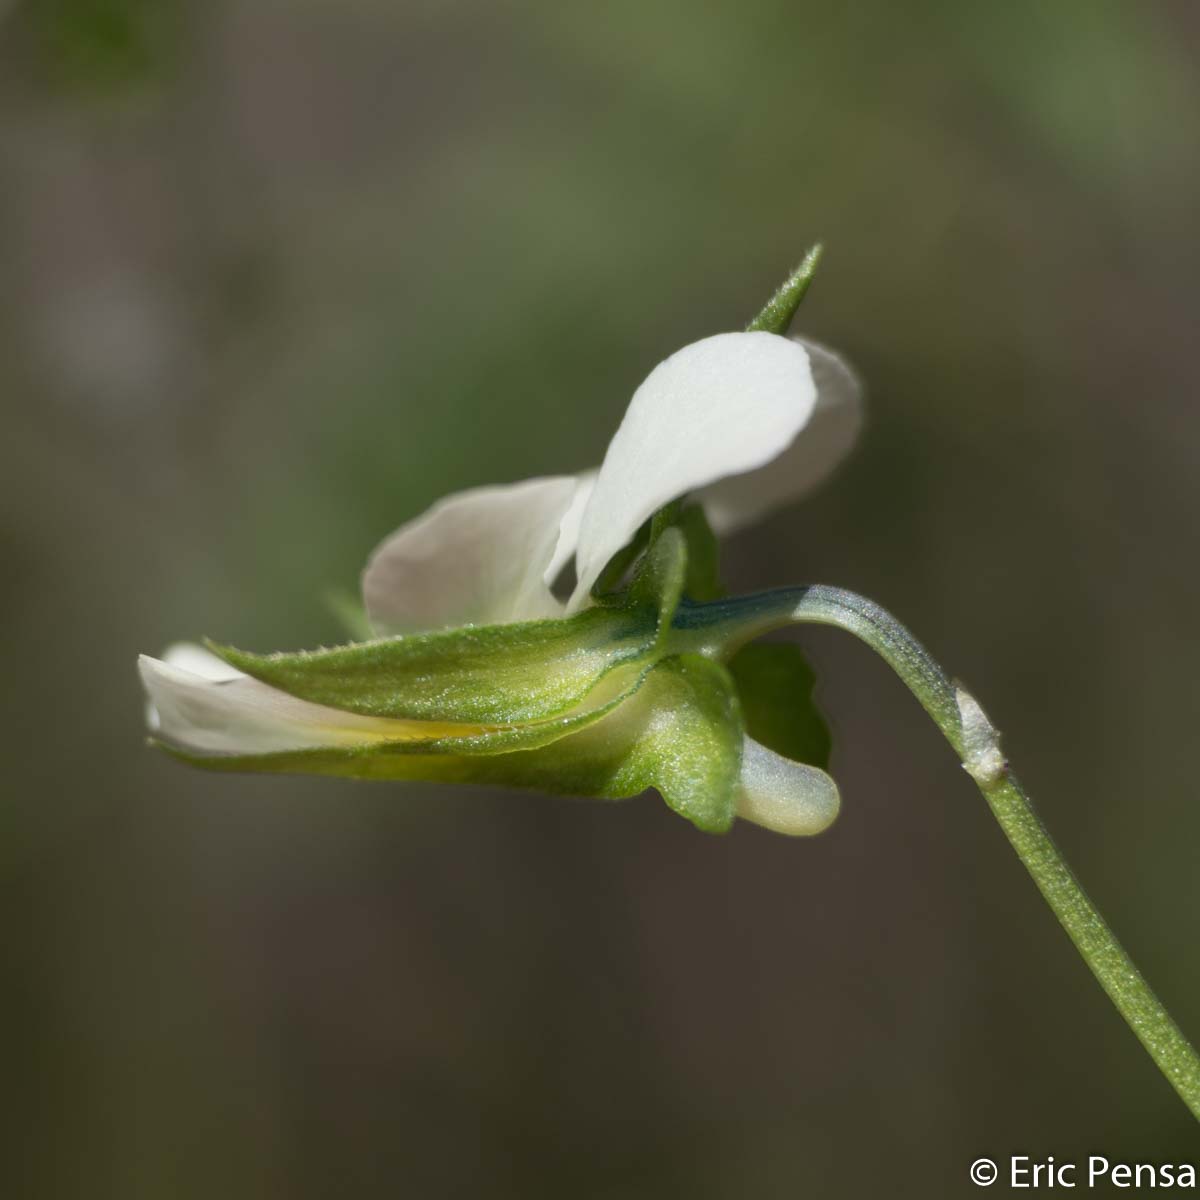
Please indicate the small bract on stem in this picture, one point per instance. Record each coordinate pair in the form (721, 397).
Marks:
(484, 664)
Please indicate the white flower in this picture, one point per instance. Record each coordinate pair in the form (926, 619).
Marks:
(740, 422)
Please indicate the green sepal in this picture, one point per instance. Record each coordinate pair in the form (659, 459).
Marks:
(660, 577)
(777, 315)
(703, 582)
(590, 705)
(444, 738)
(615, 569)
(664, 518)
(350, 613)
(690, 746)
(700, 552)
(493, 674)
(678, 732)
(774, 684)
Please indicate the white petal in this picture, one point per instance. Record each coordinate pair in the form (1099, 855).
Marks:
(718, 407)
(240, 715)
(475, 558)
(827, 438)
(568, 529)
(785, 796)
(198, 660)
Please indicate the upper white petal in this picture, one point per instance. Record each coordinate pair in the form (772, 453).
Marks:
(785, 796)
(240, 715)
(719, 407)
(816, 451)
(478, 557)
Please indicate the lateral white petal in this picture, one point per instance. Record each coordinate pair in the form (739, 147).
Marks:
(240, 715)
(785, 796)
(718, 407)
(475, 558)
(568, 529)
(808, 461)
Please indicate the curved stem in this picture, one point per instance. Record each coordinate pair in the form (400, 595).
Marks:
(729, 623)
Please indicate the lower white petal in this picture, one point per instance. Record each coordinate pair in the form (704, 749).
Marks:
(240, 715)
(785, 796)
(195, 658)
(475, 558)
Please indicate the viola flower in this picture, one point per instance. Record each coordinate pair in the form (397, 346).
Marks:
(640, 674)
(483, 671)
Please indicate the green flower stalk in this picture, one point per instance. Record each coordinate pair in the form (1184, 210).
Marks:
(496, 663)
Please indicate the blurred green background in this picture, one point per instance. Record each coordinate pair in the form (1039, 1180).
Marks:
(276, 275)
